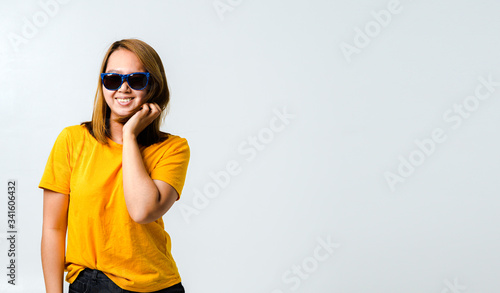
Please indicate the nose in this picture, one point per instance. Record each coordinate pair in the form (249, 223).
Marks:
(124, 87)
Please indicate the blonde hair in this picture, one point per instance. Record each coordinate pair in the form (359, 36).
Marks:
(158, 92)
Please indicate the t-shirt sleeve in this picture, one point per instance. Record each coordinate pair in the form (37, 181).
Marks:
(172, 167)
(57, 174)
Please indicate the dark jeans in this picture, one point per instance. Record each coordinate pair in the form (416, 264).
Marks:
(90, 281)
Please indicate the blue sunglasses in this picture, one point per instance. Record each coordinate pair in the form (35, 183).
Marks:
(136, 80)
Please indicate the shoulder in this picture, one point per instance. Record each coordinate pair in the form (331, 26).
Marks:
(175, 141)
(172, 144)
(71, 134)
(74, 131)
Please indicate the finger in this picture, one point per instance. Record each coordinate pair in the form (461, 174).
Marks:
(149, 111)
(145, 107)
(155, 106)
(154, 113)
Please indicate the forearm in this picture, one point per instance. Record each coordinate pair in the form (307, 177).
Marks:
(141, 193)
(52, 248)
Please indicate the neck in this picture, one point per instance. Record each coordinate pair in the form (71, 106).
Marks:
(116, 130)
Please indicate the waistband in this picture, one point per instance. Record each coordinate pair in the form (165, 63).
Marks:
(92, 274)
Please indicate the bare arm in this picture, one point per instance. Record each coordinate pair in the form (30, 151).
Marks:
(146, 199)
(55, 222)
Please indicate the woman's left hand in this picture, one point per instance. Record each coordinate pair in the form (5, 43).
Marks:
(140, 120)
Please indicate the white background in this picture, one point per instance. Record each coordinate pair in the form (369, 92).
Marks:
(321, 177)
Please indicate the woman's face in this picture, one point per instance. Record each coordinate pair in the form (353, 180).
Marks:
(125, 99)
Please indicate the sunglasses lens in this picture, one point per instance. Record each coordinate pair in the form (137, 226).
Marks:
(112, 81)
(138, 81)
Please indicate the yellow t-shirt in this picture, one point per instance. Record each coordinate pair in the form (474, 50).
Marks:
(101, 234)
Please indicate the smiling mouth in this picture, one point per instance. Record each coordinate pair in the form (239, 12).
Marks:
(124, 101)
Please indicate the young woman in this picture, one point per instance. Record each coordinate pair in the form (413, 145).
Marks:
(109, 181)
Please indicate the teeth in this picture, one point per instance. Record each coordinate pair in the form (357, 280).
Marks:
(124, 100)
